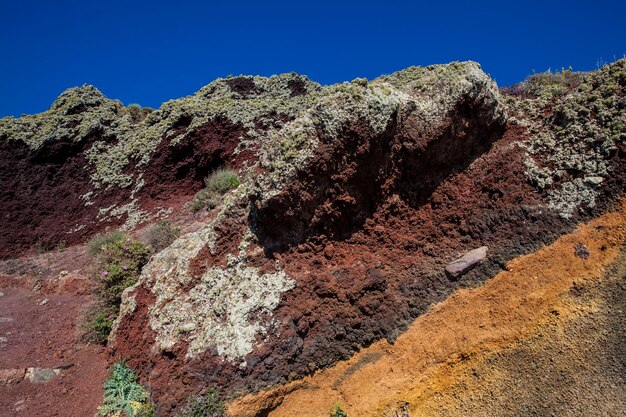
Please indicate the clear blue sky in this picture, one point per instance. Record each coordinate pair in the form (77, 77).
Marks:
(149, 52)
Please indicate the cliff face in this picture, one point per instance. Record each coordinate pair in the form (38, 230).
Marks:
(355, 198)
(89, 163)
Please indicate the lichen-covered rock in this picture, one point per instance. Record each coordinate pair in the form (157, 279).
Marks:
(88, 162)
(577, 122)
(328, 169)
(222, 298)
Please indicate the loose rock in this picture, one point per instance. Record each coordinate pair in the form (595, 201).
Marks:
(463, 265)
(581, 251)
(39, 376)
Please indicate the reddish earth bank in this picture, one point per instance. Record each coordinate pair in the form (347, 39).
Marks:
(362, 218)
(46, 336)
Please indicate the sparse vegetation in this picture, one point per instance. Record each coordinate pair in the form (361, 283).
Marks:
(217, 184)
(160, 235)
(124, 396)
(118, 263)
(553, 84)
(207, 405)
(337, 411)
(100, 240)
(101, 324)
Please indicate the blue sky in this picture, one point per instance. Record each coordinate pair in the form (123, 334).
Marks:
(150, 52)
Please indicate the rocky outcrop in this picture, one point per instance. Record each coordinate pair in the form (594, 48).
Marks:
(355, 198)
(354, 210)
(88, 163)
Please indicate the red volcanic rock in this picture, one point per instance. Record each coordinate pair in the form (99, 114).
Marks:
(353, 198)
(463, 265)
(337, 240)
(87, 163)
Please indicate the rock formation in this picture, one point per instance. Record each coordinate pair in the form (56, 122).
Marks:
(354, 199)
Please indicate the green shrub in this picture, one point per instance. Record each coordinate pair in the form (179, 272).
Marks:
(217, 184)
(205, 199)
(160, 235)
(117, 266)
(553, 84)
(207, 405)
(222, 180)
(100, 324)
(338, 412)
(100, 240)
(124, 396)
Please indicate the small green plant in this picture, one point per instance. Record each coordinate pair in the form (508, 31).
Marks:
(124, 396)
(222, 180)
(100, 240)
(41, 247)
(217, 184)
(100, 324)
(120, 263)
(337, 411)
(60, 247)
(207, 405)
(160, 235)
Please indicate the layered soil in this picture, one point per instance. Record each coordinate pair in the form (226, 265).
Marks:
(364, 227)
(353, 203)
(545, 336)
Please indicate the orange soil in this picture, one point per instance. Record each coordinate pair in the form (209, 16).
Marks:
(383, 378)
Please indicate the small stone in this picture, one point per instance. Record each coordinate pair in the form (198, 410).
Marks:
(1, 294)
(11, 376)
(463, 265)
(40, 375)
(581, 251)
(19, 406)
(44, 302)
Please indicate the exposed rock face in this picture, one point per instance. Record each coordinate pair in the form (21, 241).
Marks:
(400, 135)
(356, 201)
(356, 197)
(87, 163)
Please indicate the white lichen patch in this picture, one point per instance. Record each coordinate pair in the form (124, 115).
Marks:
(226, 311)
